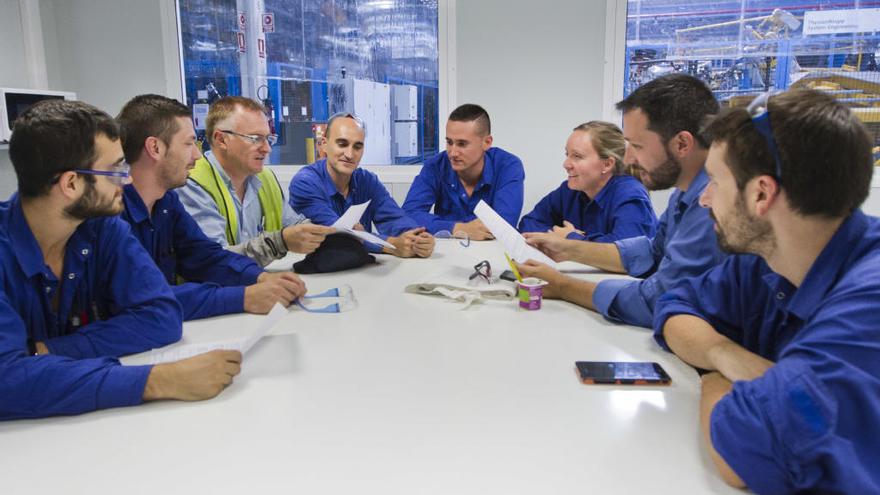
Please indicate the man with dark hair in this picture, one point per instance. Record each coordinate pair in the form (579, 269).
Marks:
(234, 198)
(661, 122)
(788, 331)
(325, 189)
(470, 170)
(76, 289)
(160, 144)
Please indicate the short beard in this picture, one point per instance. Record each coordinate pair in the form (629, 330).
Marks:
(746, 233)
(662, 177)
(89, 205)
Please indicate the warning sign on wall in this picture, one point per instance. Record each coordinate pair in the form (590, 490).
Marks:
(242, 21)
(241, 46)
(268, 23)
(261, 47)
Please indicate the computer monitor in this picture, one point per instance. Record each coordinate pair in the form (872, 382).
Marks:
(13, 102)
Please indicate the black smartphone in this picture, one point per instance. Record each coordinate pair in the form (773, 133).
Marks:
(622, 373)
(508, 275)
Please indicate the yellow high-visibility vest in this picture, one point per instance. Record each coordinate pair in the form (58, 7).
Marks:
(270, 195)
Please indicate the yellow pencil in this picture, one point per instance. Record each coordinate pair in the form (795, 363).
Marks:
(513, 267)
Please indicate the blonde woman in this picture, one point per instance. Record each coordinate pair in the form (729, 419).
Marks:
(597, 202)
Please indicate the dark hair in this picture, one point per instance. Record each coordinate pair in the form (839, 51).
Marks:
(148, 115)
(824, 149)
(473, 113)
(223, 108)
(673, 103)
(55, 136)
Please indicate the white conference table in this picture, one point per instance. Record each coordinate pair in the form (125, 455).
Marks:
(407, 394)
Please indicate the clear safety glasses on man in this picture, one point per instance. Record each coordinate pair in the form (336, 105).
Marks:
(118, 174)
(255, 138)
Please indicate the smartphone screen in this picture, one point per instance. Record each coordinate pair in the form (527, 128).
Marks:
(634, 373)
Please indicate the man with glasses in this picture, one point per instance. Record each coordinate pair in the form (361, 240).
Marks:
(788, 329)
(325, 189)
(661, 123)
(160, 143)
(236, 200)
(76, 289)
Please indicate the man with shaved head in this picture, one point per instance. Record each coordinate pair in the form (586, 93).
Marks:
(327, 188)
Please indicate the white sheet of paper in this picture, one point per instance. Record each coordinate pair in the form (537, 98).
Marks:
(242, 344)
(351, 216)
(366, 236)
(275, 315)
(514, 243)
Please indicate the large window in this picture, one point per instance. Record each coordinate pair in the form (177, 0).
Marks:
(308, 59)
(744, 47)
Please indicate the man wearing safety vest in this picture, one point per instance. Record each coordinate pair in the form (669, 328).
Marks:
(236, 200)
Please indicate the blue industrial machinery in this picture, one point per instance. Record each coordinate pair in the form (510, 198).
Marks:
(744, 47)
(316, 45)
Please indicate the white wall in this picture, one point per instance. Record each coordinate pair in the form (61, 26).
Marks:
(537, 69)
(108, 50)
(7, 176)
(13, 74)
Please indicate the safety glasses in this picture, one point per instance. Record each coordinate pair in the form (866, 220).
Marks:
(119, 174)
(255, 138)
(445, 234)
(340, 299)
(482, 272)
(760, 113)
